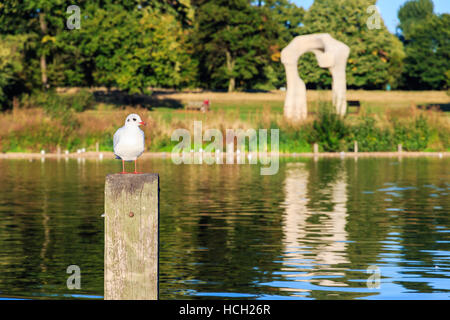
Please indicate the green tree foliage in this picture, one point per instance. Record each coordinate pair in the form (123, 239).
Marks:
(11, 67)
(375, 57)
(129, 44)
(130, 50)
(287, 18)
(39, 20)
(232, 41)
(426, 38)
(217, 44)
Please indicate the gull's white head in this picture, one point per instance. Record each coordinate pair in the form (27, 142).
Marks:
(134, 120)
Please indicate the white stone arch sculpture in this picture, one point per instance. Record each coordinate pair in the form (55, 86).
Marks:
(331, 54)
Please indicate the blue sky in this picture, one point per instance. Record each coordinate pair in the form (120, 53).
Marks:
(389, 8)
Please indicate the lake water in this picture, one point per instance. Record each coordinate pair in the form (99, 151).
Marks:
(325, 229)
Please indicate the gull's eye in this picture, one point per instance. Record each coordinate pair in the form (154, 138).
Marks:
(134, 119)
(128, 120)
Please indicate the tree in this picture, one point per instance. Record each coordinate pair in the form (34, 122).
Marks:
(131, 49)
(11, 67)
(232, 40)
(426, 37)
(375, 57)
(129, 44)
(39, 20)
(413, 12)
(287, 19)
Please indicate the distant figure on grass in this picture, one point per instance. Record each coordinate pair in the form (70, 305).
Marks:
(129, 141)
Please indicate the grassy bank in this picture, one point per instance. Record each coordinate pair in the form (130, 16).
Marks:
(74, 119)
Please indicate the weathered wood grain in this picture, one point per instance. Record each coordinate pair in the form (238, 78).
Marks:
(131, 236)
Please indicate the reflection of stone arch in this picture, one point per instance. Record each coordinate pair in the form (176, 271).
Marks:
(326, 241)
(331, 54)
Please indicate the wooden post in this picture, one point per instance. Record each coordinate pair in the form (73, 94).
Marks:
(399, 148)
(131, 236)
(316, 148)
(97, 147)
(355, 146)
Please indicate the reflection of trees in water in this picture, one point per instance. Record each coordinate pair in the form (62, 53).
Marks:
(398, 238)
(421, 243)
(45, 224)
(368, 223)
(223, 228)
(314, 233)
(231, 225)
(53, 220)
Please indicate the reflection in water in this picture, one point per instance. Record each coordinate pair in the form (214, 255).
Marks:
(309, 232)
(315, 240)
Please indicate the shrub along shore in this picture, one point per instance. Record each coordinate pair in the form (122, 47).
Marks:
(72, 121)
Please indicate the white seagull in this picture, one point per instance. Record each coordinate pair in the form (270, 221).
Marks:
(129, 141)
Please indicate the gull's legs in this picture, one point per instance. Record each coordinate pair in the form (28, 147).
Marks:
(135, 167)
(123, 167)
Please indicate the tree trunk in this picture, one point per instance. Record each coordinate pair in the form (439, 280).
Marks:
(231, 84)
(230, 66)
(44, 72)
(43, 25)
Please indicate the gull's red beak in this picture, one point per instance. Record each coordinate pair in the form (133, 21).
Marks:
(142, 123)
